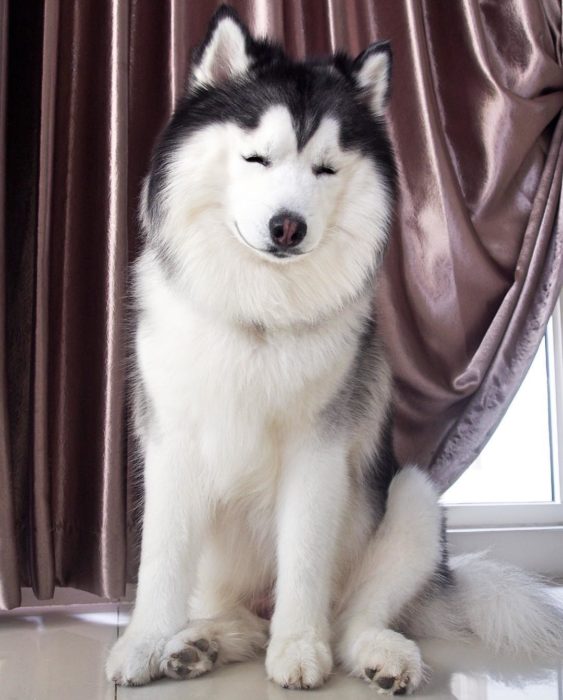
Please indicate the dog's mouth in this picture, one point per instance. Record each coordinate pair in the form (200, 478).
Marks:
(271, 252)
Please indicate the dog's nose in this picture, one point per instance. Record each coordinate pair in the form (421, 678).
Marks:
(287, 229)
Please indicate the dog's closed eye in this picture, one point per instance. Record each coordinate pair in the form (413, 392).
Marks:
(323, 170)
(255, 158)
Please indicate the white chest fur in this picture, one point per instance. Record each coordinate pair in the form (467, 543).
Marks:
(233, 394)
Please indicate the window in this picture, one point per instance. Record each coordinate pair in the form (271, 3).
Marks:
(516, 464)
(511, 498)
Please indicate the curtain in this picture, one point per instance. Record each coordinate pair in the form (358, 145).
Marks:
(472, 274)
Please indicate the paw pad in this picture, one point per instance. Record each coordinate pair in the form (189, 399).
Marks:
(390, 662)
(192, 660)
(388, 685)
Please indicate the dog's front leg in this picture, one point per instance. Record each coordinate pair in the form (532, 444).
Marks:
(312, 494)
(172, 528)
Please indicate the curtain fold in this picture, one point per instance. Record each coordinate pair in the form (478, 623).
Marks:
(472, 274)
(88, 285)
(9, 559)
(507, 349)
(474, 124)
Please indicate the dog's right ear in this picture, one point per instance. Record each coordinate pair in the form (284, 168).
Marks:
(225, 53)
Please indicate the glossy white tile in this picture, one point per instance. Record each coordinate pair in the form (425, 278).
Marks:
(56, 656)
(465, 673)
(60, 655)
(457, 672)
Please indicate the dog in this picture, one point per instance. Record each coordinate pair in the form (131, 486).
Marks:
(263, 396)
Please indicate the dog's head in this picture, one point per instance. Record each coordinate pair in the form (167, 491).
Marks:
(280, 169)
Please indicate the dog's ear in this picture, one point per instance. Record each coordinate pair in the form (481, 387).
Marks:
(372, 72)
(225, 52)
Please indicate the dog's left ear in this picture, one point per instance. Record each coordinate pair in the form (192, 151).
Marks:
(225, 52)
(372, 72)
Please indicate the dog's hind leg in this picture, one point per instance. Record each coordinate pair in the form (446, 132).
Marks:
(221, 627)
(235, 635)
(399, 561)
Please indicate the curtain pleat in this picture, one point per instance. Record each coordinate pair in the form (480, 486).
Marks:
(473, 270)
(9, 559)
(26, 502)
(88, 275)
(42, 562)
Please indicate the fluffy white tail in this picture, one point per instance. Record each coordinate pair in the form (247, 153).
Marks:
(510, 610)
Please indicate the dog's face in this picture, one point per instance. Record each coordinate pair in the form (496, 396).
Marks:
(274, 165)
(280, 197)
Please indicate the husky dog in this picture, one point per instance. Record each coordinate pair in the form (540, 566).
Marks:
(264, 394)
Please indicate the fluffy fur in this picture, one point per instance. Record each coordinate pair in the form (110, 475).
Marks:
(263, 394)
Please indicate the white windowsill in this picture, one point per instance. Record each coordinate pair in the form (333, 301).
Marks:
(538, 549)
(507, 515)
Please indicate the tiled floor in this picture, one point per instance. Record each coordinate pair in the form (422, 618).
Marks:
(59, 655)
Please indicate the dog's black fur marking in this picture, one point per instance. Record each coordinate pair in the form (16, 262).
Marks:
(382, 468)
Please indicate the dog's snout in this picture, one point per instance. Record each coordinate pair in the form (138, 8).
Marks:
(287, 229)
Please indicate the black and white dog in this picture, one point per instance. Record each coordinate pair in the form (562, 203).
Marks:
(264, 394)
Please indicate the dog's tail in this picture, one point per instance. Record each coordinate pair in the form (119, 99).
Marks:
(510, 610)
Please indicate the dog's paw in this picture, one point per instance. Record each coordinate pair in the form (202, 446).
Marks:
(389, 661)
(133, 660)
(188, 659)
(298, 661)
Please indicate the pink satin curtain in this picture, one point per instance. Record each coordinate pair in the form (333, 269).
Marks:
(472, 274)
